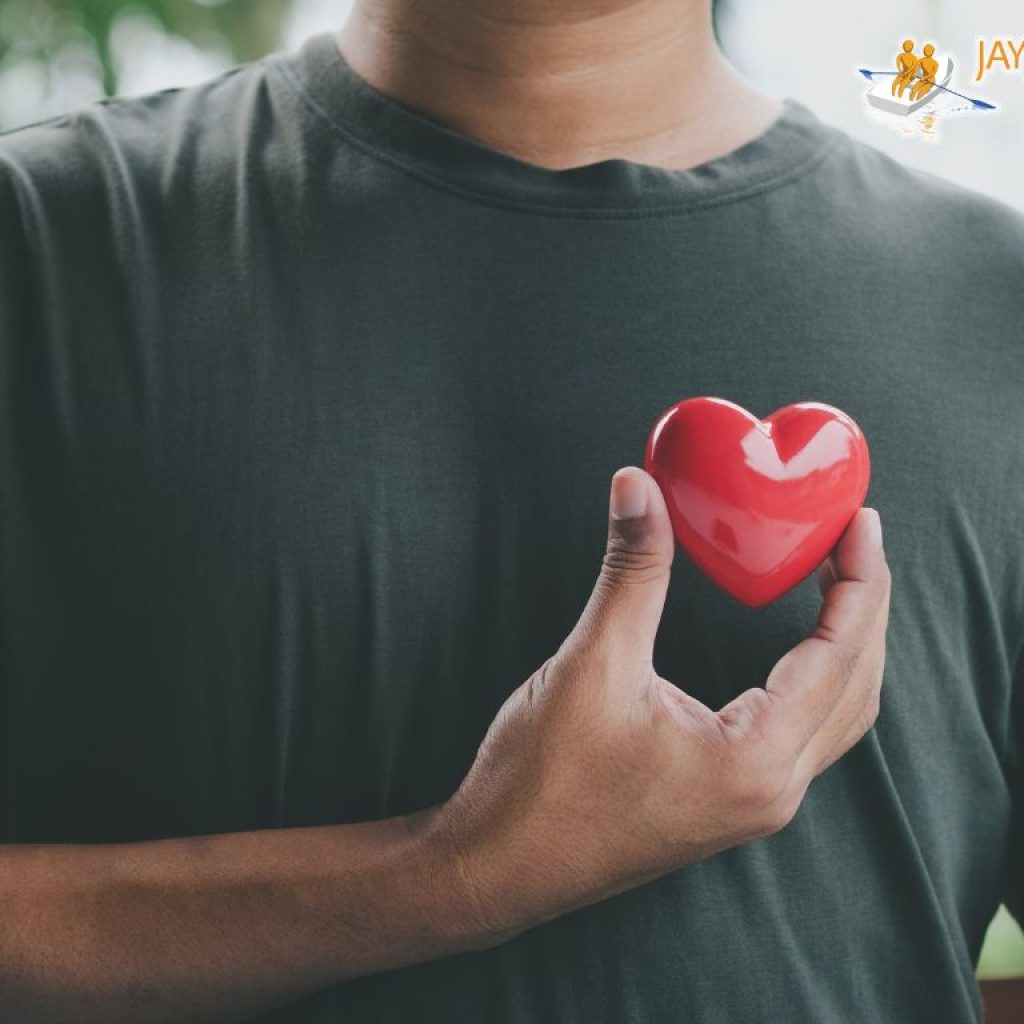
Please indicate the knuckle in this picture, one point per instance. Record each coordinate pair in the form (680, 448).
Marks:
(769, 801)
(743, 722)
(875, 705)
(780, 812)
(846, 650)
(622, 564)
(846, 654)
(883, 588)
(759, 786)
(758, 778)
(871, 712)
(768, 790)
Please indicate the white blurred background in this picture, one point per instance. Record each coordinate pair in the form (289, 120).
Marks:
(811, 50)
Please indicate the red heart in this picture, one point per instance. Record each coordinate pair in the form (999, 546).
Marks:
(758, 504)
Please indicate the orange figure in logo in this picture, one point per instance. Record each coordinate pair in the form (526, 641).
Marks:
(928, 66)
(906, 65)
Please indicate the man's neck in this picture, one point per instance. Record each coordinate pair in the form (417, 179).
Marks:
(561, 83)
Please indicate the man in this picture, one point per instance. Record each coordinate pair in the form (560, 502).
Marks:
(315, 376)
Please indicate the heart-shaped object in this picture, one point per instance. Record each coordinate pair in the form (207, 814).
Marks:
(758, 504)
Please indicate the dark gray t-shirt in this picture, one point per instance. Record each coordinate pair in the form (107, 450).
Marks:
(308, 411)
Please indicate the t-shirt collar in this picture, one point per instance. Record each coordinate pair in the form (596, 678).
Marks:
(435, 152)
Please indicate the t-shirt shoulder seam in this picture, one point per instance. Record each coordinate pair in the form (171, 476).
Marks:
(67, 118)
(787, 176)
(933, 180)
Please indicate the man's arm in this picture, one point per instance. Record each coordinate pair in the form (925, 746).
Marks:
(221, 927)
(597, 775)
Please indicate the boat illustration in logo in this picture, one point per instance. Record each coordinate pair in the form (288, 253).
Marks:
(916, 82)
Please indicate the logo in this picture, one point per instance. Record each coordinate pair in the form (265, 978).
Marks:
(917, 90)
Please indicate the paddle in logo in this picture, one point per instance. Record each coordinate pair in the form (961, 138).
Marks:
(917, 90)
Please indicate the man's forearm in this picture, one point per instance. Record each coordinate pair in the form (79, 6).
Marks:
(218, 928)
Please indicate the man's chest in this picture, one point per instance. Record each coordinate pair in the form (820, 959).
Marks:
(309, 556)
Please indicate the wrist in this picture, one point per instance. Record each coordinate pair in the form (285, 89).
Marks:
(464, 909)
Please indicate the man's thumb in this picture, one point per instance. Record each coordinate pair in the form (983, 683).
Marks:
(625, 607)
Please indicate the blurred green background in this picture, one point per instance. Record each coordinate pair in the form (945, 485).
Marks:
(59, 54)
(85, 32)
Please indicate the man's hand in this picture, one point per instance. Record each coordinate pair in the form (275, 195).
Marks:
(598, 775)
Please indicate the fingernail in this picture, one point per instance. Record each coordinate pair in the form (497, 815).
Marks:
(875, 528)
(629, 496)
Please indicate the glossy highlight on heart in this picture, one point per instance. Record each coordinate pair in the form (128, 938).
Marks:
(758, 504)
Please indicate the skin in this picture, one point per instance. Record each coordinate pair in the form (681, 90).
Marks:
(563, 84)
(597, 774)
